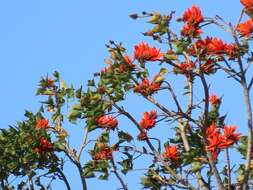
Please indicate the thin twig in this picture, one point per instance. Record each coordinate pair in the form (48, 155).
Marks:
(124, 186)
(64, 178)
(228, 169)
(249, 115)
(84, 143)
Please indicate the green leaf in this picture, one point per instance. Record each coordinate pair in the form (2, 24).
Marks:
(56, 74)
(123, 136)
(59, 146)
(74, 115)
(91, 82)
(127, 165)
(196, 166)
(104, 137)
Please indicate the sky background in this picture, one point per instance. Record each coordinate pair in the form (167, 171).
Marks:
(40, 36)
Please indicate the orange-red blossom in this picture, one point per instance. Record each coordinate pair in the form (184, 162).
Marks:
(50, 82)
(218, 141)
(248, 5)
(171, 153)
(107, 122)
(104, 153)
(192, 18)
(149, 119)
(42, 124)
(44, 146)
(144, 52)
(245, 28)
(213, 46)
(214, 100)
(184, 67)
(191, 30)
(146, 87)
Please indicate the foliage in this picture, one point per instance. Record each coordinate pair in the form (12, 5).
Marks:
(37, 147)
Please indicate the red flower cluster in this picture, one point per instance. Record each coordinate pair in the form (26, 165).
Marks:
(216, 46)
(245, 28)
(144, 52)
(107, 122)
(146, 87)
(184, 67)
(104, 153)
(190, 30)
(218, 141)
(214, 100)
(42, 124)
(44, 146)
(193, 15)
(231, 50)
(192, 18)
(50, 82)
(149, 119)
(248, 5)
(213, 46)
(171, 153)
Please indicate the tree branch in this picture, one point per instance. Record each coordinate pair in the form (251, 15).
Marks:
(83, 144)
(65, 180)
(157, 155)
(229, 169)
(205, 118)
(124, 186)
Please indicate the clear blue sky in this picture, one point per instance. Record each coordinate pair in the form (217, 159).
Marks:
(40, 36)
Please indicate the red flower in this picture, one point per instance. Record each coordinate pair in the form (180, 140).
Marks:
(42, 124)
(104, 153)
(184, 67)
(214, 139)
(216, 46)
(212, 130)
(200, 47)
(217, 141)
(214, 100)
(231, 50)
(107, 122)
(171, 153)
(50, 82)
(248, 5)
(144, 52)
(245, 28)
(146, 88)
(193, 16)
(44, 145)
(213, 46)
(122, 68)
(191, 30)
(149, 119)
(230, 137)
